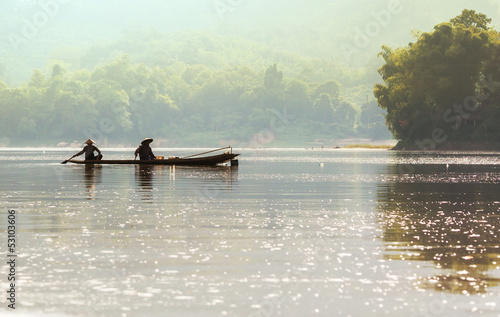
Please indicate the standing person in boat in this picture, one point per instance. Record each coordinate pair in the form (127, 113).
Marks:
(89, 150)
(144, 150)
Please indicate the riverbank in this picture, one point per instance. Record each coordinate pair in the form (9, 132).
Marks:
(369, 146)
(447, 146)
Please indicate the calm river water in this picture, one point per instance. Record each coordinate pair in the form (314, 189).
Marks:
(287, 233)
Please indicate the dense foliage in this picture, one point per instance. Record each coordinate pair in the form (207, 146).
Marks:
(198, 75)
(122, 102)
(442, 89)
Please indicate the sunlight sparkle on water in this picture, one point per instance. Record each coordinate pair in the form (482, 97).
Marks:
(363, 233)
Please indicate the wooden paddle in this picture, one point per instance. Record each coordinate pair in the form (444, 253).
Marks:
(66, 161)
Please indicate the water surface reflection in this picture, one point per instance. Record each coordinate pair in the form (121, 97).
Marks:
(144, 179)
(178, 181)
(449, 218)
(92, 176)
(289, 233)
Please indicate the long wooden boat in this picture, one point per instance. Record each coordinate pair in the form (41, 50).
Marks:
(194, 161)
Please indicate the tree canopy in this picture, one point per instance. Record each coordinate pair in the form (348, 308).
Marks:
(443, 82)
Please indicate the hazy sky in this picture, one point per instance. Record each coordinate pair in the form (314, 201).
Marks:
(347, 31)
(227, 15)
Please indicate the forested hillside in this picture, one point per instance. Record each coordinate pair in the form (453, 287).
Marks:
(185, 105)
(281, 73)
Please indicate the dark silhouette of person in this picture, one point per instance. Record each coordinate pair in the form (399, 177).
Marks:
(89, 150)
(144, 150)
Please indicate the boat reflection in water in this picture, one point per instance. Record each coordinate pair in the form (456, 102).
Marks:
(448, 218)
(213, 183)
(144, 179)
(204, 183)
(92, 177)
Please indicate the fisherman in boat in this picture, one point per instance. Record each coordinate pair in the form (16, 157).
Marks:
(144, 150)
(89, 150)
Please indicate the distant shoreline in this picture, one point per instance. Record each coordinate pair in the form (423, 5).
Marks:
(354, 147)
(163, 143)
(449, 146)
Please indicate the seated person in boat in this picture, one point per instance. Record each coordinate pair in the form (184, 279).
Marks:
(144, 150)
(89, 150)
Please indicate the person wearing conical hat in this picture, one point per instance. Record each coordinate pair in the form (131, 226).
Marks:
(144, 150)
(89, 150)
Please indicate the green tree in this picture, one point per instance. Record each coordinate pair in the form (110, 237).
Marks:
(425, 79)
(272, 77)
(57, 70)
(14, 104)
(297, 99)
(120, 71)
(345, 114)
(112, 102)
(323, 109)
(330, 87)
(469, 18)
(38, 80)
(74, 110)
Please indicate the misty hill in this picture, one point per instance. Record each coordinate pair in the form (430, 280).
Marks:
(184, 105)
(321, 29)
(182, 49)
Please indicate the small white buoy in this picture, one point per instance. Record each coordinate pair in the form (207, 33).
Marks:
(321, 164)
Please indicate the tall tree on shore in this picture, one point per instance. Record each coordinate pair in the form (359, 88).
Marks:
(425, 79)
